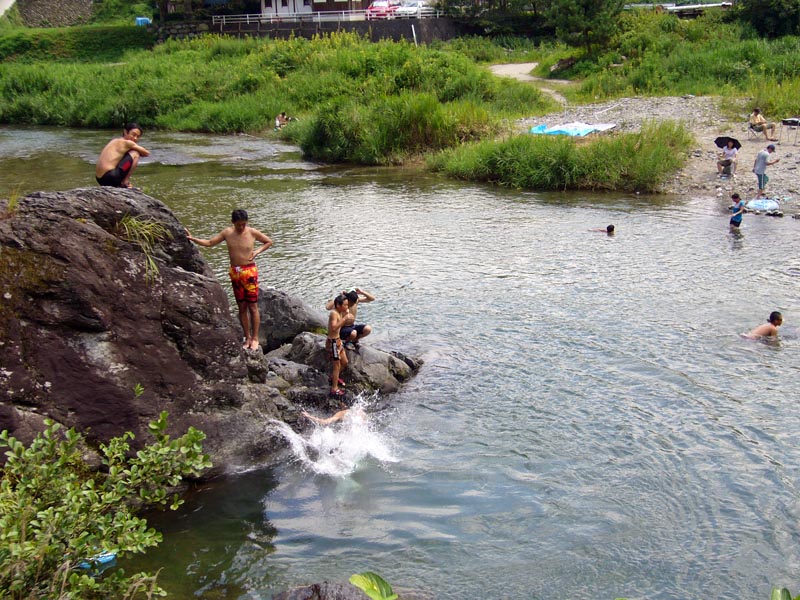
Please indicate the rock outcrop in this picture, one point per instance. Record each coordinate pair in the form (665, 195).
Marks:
(97, 334)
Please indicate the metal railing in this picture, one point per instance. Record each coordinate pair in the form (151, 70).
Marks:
(305, 17)
(308, 17)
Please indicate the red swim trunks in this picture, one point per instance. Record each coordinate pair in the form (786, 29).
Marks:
(244, 279)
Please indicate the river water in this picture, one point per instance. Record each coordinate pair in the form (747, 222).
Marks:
(589, 421)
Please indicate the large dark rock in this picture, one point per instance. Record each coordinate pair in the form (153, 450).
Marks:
(284, 316)
(84, 322)
(367, 369)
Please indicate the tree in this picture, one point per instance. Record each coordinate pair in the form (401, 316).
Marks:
(56, 512)
(770, 18)
(586, 23)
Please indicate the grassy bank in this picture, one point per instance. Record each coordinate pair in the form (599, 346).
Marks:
(90, 43)
(404, 99)
(636, 162)
(654, 55)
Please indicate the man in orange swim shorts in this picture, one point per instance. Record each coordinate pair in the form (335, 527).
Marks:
(241, 241)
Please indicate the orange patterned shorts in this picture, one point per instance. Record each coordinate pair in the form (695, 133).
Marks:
(244, 279)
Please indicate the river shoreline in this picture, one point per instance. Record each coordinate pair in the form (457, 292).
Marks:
(703, 117)
(706, 121)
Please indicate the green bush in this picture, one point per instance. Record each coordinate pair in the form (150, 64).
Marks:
(56, 513)
(95, 43)
(630, 162)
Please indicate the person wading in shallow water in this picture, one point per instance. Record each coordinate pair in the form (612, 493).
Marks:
(241, 241)
(119, 158)
(769, 329)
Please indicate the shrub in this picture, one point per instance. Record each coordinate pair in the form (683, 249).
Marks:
(56, 513)
(631, 162)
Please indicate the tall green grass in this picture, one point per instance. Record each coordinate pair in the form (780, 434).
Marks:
(662, 55)
(358, 101)
(89, 43)
(633, 161)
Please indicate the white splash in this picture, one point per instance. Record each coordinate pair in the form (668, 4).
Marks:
(337, 449)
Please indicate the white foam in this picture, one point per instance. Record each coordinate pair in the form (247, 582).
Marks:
(338, 449)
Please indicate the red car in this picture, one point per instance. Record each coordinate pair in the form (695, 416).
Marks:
(382, 9)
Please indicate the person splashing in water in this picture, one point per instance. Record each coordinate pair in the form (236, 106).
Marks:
(337, 445)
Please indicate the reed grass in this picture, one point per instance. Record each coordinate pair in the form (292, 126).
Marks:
(631, 162)
(146, 234)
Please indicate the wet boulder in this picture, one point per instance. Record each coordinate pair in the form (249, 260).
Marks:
(109, 316)
(284, 316)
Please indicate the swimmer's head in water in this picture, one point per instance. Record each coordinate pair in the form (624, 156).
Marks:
(776, 318)
(610, 229)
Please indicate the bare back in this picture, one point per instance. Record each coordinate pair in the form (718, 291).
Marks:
(112, 154)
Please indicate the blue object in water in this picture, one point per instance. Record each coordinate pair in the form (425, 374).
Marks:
(141, 21)
(101, 560)
(763, 204)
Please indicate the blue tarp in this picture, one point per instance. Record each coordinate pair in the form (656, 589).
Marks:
(763, 204)
(571, 129)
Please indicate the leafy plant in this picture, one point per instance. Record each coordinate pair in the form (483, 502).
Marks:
(373, 585)
(145, 233)
(57, 513)
(781, 594)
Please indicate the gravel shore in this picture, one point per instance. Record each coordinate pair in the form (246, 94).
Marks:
(701, 114)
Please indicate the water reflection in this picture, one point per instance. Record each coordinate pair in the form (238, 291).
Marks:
(589, 421)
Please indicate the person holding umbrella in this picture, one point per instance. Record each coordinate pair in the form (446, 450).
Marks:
(727, 158)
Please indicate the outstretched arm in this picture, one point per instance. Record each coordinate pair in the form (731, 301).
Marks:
(206, 243)
(336, 417)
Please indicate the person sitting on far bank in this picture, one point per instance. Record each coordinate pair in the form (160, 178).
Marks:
(119, 158)
(727, 158)
(351, 331)
(759, 124)
(769, 329)
(609, 230)
(281, 120)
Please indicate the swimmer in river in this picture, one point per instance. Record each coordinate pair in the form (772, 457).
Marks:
(768, 329)
(608, 230)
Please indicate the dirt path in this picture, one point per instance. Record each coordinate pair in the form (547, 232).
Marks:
(522, 72)
(702, 115)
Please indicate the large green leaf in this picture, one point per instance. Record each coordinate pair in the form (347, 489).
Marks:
(373, 585)
(780, 594)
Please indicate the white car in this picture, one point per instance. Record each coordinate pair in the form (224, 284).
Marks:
(415, 8)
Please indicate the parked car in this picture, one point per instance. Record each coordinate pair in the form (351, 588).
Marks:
(382, 9)
(415, 8)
